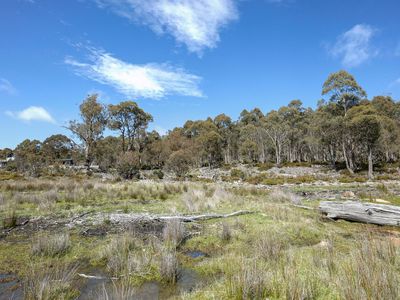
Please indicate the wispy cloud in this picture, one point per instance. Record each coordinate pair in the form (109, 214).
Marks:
(354, 46)
(32, 113)
(195, 23)
(137, 81)
(7, 87)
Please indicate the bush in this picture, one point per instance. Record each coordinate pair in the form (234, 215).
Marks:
(237, 174)
(158, 174)
(179, 162)
(128, 165)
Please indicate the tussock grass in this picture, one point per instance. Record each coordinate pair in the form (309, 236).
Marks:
(173, 233)
(51, 245)
(251, 281)
(120, 290)
(370, 271)
(127, 255)
(168, 265)
(270, 245)
(279, 195)
(205, 198)
(226, 231)
(55, 282)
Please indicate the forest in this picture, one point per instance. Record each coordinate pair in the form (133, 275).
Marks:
(346, 130)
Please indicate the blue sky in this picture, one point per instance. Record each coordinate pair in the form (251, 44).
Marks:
(185, 59)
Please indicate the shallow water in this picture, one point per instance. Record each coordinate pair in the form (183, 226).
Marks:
(187, 281)
(10, 287)
(93, 286)
(196, 254)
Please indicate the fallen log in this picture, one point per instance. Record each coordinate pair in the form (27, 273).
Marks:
(204, 217)
(127, 219)
(371, 213)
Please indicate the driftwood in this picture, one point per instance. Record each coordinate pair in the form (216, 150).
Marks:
(204, 217)
(370, 213)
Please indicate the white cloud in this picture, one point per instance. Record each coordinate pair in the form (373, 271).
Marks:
(354, 46)
(32, 113)
(137, 81)
(7, 87)
(195, 23)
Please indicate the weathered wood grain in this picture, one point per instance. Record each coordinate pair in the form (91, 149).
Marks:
(355, 211)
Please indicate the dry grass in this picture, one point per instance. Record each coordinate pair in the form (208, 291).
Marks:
(53, 282)
(120, 290)
(279, 196)
(226, 232)
(270, 245)
(127, 255)
(251, 281)
(370, 271)
(173, 233)
(200, 199)
(168, 266)
(51, 245)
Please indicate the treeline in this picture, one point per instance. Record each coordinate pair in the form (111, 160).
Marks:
(346, 129)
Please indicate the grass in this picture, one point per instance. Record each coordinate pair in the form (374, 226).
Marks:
(50, 282)
(51, 245)
(279, 252)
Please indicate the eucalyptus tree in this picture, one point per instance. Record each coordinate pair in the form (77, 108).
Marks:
(365, 125)
(91, 127)
(345, 92)
(57, 147)
(277, 130)
(131, 121)
(229, 137)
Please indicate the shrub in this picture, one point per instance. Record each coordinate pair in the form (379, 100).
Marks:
(158, 174)
(128, 165)
(179, 162)
(237, 174)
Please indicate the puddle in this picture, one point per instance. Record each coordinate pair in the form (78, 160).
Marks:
(10, 287)
(187, 281)
(196, 254)
(92, 286)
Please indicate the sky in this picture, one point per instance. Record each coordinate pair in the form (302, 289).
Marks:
(185, 59)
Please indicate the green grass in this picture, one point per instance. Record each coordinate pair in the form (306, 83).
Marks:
(278, 252)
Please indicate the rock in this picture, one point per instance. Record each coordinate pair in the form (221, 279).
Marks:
(348, 194)
(324, 244)
(382, 201)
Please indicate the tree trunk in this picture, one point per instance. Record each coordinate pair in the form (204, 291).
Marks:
(346, 159)
(370, 164)
(371, 213)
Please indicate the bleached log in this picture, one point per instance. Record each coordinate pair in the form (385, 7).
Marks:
(203, 217)
(355, 211)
